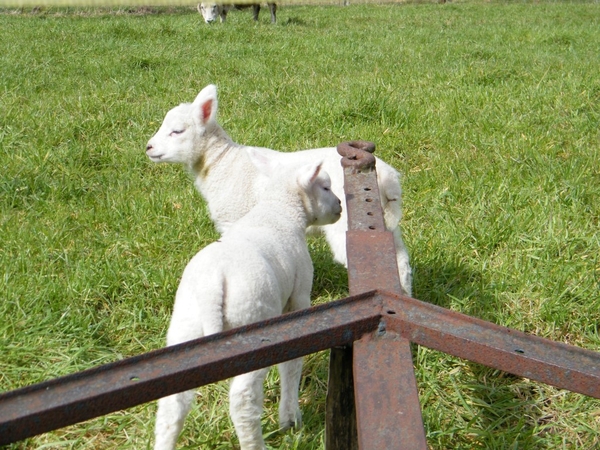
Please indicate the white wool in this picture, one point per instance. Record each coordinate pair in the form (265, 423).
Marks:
(230, 183)
(259, 269)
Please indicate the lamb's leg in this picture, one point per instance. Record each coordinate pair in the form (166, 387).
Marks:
(245, 408)
(172, 410)
(335, 234)
(290, 373)
(171, 414)
(255, 11)
(404, 270)
(273, 9)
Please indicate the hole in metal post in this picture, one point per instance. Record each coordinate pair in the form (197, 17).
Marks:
(391, 312)
(369, 200)
(134, 378)
(369, 213)
(367, 189)
(371, 227)
(519, 350)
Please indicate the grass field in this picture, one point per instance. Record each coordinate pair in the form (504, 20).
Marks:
(490, 110)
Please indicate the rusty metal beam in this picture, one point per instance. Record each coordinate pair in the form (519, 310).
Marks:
(64, 401)
(561, 365)
(387, 401)
(340, 414)
(379, 365)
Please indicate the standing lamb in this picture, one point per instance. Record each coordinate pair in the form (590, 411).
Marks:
(211, 11)
(229, 182)
(259, 269)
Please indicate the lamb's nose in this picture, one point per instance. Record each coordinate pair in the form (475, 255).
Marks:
(148, 148)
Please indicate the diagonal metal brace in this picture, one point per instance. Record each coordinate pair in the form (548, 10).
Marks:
(84, 395)
(555, 363)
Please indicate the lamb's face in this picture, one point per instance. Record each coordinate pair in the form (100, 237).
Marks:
(174, 141)
(210, 12)
(326, 206)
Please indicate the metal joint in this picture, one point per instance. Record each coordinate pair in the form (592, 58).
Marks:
(357, 155)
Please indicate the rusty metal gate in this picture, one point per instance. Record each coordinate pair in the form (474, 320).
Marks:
(372, 398)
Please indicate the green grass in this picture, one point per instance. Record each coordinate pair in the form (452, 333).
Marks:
(490, 110)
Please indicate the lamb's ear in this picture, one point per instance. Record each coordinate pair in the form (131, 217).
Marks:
(309, 173)
(262, 162)
(205, 105)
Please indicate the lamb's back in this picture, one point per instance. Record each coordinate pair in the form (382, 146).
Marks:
(257, 274)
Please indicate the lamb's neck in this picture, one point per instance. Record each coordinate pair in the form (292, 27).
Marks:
(289, 215)
(213, 146)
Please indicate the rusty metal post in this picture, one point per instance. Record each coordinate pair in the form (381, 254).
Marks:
(384, 397)
(387, 401)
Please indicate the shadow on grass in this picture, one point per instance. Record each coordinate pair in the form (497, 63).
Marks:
(503, 409)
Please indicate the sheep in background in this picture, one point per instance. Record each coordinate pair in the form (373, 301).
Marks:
(259, 269)
(211, 11)
(228, 181)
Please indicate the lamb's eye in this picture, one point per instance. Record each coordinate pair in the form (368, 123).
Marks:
(175, 132)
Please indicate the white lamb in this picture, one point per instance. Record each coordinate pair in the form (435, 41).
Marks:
(229, 182)
(259, 269)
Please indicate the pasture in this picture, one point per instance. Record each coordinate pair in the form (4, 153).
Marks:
(491, 111)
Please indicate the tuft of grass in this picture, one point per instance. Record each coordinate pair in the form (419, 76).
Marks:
(489, 109)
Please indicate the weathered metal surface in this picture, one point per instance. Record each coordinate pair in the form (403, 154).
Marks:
(84, 395)
(363, 206)
(370, 246)
(387, 401)
(357, 155)
(340, 415)
(561, 365)
(372, 264)
(369, 255)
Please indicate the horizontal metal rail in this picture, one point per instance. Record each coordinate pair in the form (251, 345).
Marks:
(561, 365)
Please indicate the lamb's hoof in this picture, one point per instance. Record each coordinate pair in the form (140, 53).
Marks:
(285, 425)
